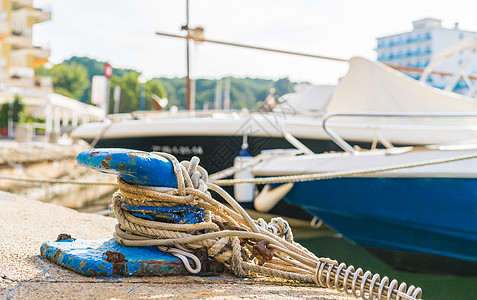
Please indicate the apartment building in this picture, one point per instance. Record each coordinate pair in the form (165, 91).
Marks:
(18, 55)
(415, 49)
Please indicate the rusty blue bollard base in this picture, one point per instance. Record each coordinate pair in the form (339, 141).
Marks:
(90, 258)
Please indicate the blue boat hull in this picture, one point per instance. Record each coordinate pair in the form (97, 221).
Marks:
(435, 217)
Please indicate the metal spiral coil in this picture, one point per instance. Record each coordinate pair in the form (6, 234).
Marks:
(362, 284)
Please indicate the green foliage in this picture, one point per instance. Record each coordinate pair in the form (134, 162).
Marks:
(129, 100)
(14, 111)
(72, 78)
(283, 86)
(30, 119)
(244, 92)
(64, 92)
(4, 109)
(94, 67)
(130, 92)
(170, 91)
(42, 71)
(175, 90)
(18, 109)
(156, 88)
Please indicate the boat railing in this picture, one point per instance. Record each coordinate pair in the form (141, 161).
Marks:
(338, 140)
(291, 139)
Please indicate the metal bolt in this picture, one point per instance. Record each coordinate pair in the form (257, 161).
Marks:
(115, 257)
(64, 236)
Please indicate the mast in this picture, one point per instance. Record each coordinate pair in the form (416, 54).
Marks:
(188, 85)
(197, 35)
(227, 94)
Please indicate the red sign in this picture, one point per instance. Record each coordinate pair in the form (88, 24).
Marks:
(108, 70)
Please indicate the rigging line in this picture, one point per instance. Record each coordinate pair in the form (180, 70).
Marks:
(254, 47)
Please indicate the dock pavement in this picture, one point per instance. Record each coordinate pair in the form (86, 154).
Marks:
(26, 224)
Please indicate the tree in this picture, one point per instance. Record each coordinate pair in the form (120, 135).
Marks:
(283, 86)
(175, 90)
(170, 91)
(13, 110)
(129, 100)
(4, 111)
(93, 67)
(153, 87)
(130, 92)
(18, 109)
(70, 80)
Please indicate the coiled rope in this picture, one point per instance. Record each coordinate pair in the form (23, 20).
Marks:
(245, 246)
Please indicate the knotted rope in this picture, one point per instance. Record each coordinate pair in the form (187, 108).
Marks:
(243, 245)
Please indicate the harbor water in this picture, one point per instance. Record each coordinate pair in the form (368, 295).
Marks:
(435, 287)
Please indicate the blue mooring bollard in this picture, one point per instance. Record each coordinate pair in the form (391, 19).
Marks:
(136, 167)
(107, 258)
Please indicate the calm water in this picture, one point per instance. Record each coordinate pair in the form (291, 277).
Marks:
(433, 286)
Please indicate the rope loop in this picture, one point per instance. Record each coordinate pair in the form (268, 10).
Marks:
(183, 255)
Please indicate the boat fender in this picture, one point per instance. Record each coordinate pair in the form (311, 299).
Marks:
(269, 197)
(243, 192)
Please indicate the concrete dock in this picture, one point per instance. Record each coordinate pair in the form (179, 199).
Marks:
(26, 224)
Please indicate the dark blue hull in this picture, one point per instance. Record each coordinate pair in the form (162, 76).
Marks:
(428, 216)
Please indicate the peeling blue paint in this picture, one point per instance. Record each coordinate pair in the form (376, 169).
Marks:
(176, 214)
(86, 257)
(8, 294)
(133, 289)
(45, 272)
(136, 167)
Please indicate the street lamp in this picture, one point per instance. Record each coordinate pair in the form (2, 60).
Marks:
(142, 97)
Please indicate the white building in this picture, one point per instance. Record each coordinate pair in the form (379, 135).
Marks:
(18, 60)
(412, 51)
(18, 55)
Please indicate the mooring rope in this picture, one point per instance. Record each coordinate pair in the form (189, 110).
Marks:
(245, 246)
(265, 180)
(338, 174)
(56, 181)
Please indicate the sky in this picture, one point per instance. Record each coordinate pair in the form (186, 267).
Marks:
(123, 33)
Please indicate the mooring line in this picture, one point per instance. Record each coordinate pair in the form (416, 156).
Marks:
(268, 180)
(338, 174)
(56, 181)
